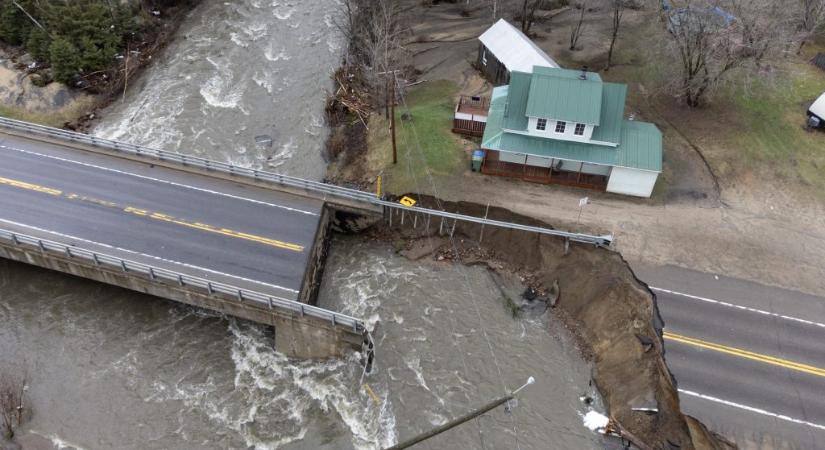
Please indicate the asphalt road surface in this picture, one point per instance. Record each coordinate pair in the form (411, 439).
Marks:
(749, 359)
(227, 232)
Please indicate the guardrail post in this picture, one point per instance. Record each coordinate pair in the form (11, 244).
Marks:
(152, 274)
(180, 280)
(301, 310)
(402, 217)
(333, 319)
(41, 246)
(94, 258)
(240, 296)
(415, 220)
(123, 265)
(209, 288)
(14, 239)
(441, 227)
(270, 302)
(452, 230)
(427, 228)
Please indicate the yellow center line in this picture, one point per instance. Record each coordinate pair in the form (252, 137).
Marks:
(154, 215)
(772, 360)
(29, 186)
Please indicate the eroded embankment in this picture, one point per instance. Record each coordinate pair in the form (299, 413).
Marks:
(612, 313)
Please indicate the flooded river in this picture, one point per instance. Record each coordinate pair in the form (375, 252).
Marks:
(111, 368)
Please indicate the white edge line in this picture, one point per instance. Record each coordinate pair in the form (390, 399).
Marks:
(172, 183)
(753, 409)
(157, 258)
(743, 308)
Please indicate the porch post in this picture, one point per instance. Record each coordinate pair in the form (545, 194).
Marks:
(524, 168)
(579, 177)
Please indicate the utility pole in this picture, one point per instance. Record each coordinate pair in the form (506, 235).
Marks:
(456, 422)
(392, 121)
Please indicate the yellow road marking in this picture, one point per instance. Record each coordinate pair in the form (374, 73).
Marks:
(155, 215)
(29, 186)
(772, 360)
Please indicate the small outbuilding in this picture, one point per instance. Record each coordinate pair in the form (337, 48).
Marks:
(505, 49)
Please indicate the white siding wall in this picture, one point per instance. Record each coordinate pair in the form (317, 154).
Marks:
(595, 169)
(539, 161)
(632, 182)
(517, 158)
(569, 131)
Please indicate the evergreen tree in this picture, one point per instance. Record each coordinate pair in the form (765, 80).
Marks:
(65, 59)
(14, 25)
(38, 44)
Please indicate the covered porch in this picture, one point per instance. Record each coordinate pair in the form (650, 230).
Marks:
(553, 171)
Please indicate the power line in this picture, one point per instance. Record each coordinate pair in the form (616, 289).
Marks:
(456, 252)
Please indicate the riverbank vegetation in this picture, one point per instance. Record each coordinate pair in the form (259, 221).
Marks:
(14, 407)
(85, 43)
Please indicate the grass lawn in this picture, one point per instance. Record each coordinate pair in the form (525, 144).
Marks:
(773, 132)
(424, 143)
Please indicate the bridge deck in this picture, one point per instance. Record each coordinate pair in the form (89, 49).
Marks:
(253, 238)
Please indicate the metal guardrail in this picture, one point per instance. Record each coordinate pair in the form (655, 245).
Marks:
(324, 189)
(159, 274)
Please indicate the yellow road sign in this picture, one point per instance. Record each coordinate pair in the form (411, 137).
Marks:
(406, 201)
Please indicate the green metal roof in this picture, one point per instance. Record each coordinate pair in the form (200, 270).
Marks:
(640, 143)
(561, 95)
(610, 123)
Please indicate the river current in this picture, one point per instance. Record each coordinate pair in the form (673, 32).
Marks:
(110, 368)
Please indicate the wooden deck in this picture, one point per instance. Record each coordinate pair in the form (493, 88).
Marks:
(477, 106)
(544, 175)
(467, 113)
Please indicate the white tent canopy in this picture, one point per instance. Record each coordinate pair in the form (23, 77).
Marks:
(515, 50)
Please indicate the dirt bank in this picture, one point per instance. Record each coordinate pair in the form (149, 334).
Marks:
(612, 314)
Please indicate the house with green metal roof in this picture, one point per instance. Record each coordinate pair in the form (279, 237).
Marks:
(567, 126)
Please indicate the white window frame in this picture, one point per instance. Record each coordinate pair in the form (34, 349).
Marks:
(561, 126)
(580, 126)
(541, 124)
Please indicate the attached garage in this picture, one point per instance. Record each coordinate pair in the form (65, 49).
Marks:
(634, 182)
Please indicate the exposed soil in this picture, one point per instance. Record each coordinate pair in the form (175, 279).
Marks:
(612, 314)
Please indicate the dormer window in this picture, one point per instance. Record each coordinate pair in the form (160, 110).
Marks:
(541, 124)
(560, 126)
(579, 131)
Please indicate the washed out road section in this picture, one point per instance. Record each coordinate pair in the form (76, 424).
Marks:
(748, 358)
(203, 226)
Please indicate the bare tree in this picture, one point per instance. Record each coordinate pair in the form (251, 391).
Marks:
(527, 14)
(812, 14)
(576, 31)
(13, 407)
(711, 38)
(617, 8)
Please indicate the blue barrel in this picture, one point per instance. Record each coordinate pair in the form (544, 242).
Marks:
(478, 157)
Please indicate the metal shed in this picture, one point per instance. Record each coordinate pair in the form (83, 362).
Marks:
(504, 49)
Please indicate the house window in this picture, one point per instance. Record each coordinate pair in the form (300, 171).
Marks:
(541, 124)
(560, 126)
(579, 131)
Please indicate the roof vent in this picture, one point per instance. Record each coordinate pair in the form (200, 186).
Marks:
(583, 75)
